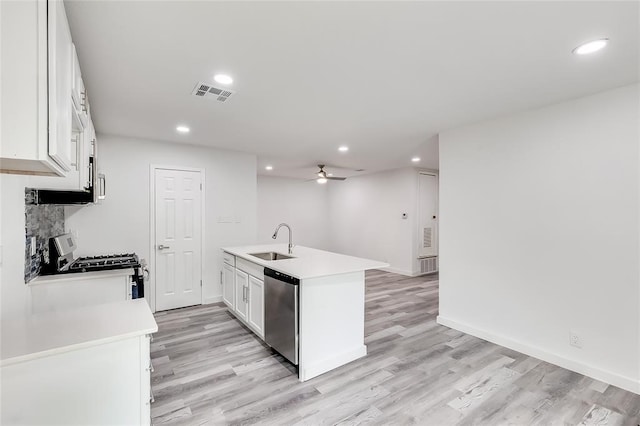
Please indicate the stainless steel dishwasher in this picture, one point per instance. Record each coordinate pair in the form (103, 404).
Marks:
(281, 313)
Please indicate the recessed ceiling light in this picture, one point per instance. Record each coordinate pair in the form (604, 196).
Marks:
(343, 148)
(223, 79)
(268, 168)
(591, 46)
(182, 129)
(415, 159)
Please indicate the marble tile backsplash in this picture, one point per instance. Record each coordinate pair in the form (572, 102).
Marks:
(42, 222)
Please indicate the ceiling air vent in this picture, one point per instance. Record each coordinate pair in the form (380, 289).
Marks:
(204, 90)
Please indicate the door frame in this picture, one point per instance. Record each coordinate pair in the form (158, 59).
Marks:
(152, 228)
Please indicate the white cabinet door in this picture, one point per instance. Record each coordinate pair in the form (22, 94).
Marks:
(228, 285)
(256, 305)
(242, 287)
(78, 92)
(89, 141)
(146, 368)
(23, 62)
(60, 83)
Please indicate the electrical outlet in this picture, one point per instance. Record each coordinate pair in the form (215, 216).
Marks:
(575, 340)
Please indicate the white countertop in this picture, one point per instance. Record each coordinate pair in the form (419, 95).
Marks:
(50, 333)
(307, 262)
(44, 279)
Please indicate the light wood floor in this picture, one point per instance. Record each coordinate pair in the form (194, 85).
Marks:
(209, 369)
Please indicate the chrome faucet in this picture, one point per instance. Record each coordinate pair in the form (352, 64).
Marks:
(275, 235)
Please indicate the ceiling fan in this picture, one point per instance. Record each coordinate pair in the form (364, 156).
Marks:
(323, 177)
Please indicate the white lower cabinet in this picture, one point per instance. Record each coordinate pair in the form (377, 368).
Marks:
(243, 291)
(256, 305)
(242, 285)
(104, 384)
(146, 368)
(69, 291)
(228, 285)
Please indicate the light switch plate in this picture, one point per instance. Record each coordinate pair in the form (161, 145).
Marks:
(33, 246)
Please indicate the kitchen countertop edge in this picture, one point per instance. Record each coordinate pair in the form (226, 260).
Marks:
(304, 265)
(118, 322)
(78, 276)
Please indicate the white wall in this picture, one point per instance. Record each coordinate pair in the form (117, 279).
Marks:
(539, 233)
(301, 204)
(121, 222)
(365, 216)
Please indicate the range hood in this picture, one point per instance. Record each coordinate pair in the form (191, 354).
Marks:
(63, 198)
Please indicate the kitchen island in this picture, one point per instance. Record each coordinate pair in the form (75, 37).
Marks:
(330, 299)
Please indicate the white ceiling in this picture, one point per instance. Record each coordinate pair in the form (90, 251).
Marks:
(381, 77)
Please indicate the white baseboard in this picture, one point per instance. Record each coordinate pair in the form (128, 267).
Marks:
(615, 379)
(209, 300)
(314, 370)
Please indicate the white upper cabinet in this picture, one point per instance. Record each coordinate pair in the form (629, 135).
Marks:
(89, 149)
(61, 147)
(46, 127)
(24, 95)
(78, 92)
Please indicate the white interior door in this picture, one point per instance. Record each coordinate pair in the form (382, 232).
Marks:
(428, 216)
(178, 249)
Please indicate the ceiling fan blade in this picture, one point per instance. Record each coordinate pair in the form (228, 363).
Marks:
(336, 178)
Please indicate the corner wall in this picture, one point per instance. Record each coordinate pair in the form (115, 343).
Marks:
(301, 204)
(365, 216)
(121, 222)
(539, 233)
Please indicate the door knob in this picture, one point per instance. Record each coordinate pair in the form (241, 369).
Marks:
(161, 247)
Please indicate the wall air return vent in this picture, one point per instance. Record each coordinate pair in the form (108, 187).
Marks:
(428, 265)
(204, 90)
(427, 237)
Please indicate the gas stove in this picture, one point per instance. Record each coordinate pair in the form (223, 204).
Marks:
(101, 263)
(62, 261)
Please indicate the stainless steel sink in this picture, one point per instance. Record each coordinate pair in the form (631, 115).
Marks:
(271, 255)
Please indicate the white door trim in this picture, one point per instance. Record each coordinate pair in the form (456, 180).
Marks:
(151, 297)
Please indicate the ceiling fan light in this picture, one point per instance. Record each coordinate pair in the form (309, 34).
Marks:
(321, 180)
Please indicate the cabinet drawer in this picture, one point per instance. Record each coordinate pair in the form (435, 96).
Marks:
(251, 268)
(228, 258)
